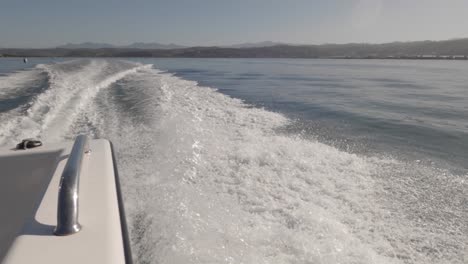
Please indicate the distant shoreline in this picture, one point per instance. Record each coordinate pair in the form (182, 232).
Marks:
(419, 50)
(311, 58)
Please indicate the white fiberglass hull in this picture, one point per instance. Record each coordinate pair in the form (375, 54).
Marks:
(29, 196)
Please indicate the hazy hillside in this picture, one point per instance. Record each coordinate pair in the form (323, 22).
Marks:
(141, 45)
(86, 45)
(419, 49)
(254, 45)
(136, 45)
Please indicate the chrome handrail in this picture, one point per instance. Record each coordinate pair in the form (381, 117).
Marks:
(67, 209)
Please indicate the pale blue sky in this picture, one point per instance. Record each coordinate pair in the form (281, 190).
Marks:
(45, 23)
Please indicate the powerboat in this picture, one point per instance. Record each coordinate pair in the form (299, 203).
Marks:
(62, 203)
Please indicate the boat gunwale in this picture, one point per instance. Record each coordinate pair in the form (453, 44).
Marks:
(123, 219)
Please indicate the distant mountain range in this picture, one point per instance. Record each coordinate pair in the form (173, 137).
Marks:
(154, 45)
(255, 45)
(136, 45)
(446, 49)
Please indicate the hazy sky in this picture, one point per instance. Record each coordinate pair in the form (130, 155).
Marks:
(43, 23)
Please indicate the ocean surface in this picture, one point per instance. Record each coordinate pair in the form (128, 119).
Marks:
(266, 160)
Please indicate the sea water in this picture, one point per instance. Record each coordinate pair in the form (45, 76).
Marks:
(266, 160)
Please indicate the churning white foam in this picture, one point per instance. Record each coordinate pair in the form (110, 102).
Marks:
(209, 180)
(18, 81)
(71, 87)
